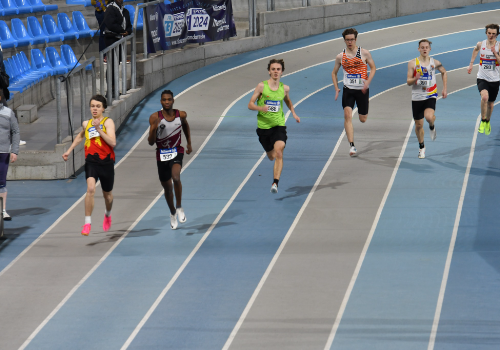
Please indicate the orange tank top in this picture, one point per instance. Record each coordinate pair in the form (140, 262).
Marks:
(96, 149)
(355, 70)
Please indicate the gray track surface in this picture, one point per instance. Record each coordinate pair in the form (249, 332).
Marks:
(297, 306)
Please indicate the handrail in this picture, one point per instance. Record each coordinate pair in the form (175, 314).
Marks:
(79, 68)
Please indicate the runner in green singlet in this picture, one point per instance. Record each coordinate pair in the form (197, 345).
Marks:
(271, 128)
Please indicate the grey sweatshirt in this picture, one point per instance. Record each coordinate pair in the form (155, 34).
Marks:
(9, 131)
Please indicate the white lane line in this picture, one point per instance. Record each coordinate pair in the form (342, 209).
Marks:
(355, 274)
(451, 248)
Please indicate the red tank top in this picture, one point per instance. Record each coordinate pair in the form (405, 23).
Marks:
(96, 149)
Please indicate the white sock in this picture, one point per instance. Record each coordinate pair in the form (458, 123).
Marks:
(107, 213)
(88, 219)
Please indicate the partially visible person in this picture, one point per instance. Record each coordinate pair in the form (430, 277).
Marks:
(9, 148)
(100, 8)
(100, 139)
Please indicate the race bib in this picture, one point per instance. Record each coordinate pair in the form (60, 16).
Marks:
(168, 154)
(425, 82)
(354, 80)
(273, 106)
(93, 132)
(488, 65)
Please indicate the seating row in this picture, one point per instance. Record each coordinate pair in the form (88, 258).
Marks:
(23, 75)
(15, 7)
(50, 32)
(88, 2)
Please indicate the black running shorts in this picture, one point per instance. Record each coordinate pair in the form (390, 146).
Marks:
(268, 137)
(490, 86)
(351, 96)
(103, 172)
(165, 168)
(419, 107)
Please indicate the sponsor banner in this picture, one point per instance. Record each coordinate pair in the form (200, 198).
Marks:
(174, 25)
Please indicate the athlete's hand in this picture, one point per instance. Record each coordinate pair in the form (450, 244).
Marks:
(189, 149)
(444, 93)
(469, 70)
(13, 157)
(337, 94)
(296, 118)
(95, 122)
(365, 88)
(65, 156)
(417, 76)
(264, 108)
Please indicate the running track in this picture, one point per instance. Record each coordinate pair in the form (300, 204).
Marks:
(382, 251)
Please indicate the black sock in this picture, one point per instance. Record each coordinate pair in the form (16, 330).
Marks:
(431, 127)
(421, 145)
(351, 144)
(276, 181)
(484, 120)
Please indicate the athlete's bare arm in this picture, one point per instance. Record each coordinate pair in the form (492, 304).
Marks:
(79, 138)
(410, 79)
(474, 54)
(187, 131)
(369, 60)
(335, 80)
(444, 76)
(256, 94)
(109, 136)
(289, 103)
(153, 126)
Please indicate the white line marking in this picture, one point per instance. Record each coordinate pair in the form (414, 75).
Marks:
(451, 248)
(354, 277)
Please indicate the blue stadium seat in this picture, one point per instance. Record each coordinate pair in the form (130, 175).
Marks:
(14, 84)
(66, 27)
(20, 78)
(39, 63)
(26, 70)
(20, 33)
(81, 25)
(24, 6)
(75, 2)
(9, 7)
(1, 9)
(38, 4)
(69, 58)
(27, 67)
(6, 38)
(52, 56)
(36, 31)
(51, 30)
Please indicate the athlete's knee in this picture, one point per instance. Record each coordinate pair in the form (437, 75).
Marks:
(363, 118)
(271, 155)
(279, 154)
(91, 190)
(484, 96)
(176, 179)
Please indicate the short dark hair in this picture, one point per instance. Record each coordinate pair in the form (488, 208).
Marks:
(276, 60)
(168, 92)
(424, 41)
(99, 98)
(492, 26)
(350, 31)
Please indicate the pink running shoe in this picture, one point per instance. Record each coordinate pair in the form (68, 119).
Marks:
(86, 229)
(106, 224)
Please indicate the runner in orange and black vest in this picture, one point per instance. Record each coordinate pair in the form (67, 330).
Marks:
(100, 139)
(165, 131)
(354, 61)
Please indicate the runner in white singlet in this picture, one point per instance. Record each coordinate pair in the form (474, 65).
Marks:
(488, 76)
(421, 77)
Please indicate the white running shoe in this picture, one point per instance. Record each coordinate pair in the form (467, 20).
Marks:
(421, 153)
(173, 221)
(22, 143)
(181, 215)
(274, 188)
(352, 151)
(6, 216)
(433, 133)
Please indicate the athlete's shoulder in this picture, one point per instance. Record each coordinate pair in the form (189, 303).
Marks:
(108, 121)
(182, 114)
(286, 87)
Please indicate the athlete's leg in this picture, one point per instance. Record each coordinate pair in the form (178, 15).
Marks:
(484, 105)
(429, 116)
(348, 124)
(489, 110)
(279, 147)
(271, 155)
(176, 177)
(108, 199)
(89, 197)
(419, 130)
(363, 118)
(169, 195)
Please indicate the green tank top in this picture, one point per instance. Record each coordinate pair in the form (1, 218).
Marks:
(274, 100)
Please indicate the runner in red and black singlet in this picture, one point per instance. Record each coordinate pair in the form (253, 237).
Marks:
(165, 131)
(354, 61)
(100, 139)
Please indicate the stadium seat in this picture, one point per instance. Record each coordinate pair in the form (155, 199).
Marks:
(1, 9)
(15, 83)
(6, 38)
(24, 6)
(81, 25)
(69, 58)
(76, 2)
(20, 33)
(66, 27)
(20, 78)
(39, 63)
(27, 66)
(36, 31)
(38, 4)
(9, 7)
(55, 60)
(26, 72)
(51, 30)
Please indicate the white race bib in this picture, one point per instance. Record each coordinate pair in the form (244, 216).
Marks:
(168, 154)
(273, 106)
(354, 80)
(425, 81)
(93, 132)
(488, 65)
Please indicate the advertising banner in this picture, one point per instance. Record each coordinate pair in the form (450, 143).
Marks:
(174, 25)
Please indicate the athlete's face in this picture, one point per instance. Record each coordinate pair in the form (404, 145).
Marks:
(96, 108)
(275, 71)
(424, 49)
(491, 34)
(350, 41)
(167, 101)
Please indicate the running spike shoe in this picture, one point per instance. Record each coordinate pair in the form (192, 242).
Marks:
(181, 215)
(106, 224)
(274, 188)
(86, 229)
(481, 127)
(6, 216)
(173, 221)
(433, 133)
(353, 151)
(487, 128)
(421, 153)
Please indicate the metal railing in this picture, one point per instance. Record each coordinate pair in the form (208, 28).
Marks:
(118, 52)
(68, 78)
